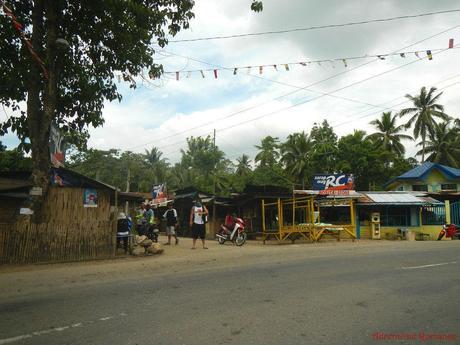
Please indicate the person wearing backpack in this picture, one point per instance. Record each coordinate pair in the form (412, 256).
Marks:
(171, 222)
(198, 216)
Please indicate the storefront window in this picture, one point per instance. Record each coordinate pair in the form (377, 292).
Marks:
(434, 215)
(420, 188)
(389, 216)
(449, 186)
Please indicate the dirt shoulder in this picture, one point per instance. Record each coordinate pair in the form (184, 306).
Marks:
(34, 279)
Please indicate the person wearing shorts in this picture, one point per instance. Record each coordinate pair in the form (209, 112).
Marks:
(197, 222)
(171, 222)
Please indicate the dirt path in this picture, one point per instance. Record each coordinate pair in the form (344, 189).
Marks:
(31, 279)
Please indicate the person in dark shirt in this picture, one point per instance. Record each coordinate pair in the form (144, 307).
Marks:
(123, 229)
(171, 222)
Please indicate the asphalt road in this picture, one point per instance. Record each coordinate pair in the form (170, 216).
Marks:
(338, 297)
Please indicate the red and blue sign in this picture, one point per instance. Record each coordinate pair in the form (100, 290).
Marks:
(333, 184)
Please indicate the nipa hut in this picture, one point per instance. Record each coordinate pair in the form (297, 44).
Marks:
(79, 219)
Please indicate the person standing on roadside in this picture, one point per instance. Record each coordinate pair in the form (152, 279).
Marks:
(171, 222)
(198, 215)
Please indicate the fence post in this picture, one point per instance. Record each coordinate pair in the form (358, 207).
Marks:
(447, 205)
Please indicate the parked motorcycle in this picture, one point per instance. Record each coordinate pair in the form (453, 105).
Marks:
(237, 235)
(450, 231)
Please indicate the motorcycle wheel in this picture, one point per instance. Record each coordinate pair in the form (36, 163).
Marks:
(220, 240)
(241, 239)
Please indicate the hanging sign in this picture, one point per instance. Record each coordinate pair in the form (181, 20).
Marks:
(333, 184)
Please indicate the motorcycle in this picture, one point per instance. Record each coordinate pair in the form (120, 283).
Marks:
(237, 235)
(451, 231)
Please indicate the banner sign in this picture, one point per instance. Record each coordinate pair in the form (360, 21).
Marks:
(333, 184)
(159, 193)
(57, 146)
(89, 197)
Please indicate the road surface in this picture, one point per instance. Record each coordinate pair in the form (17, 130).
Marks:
(347, 293)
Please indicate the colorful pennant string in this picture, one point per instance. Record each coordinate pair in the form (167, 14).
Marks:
(287, 66)
(18, 26)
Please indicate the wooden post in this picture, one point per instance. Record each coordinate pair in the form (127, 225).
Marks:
(280, 217)
(293, 210)
(352, 216)
(447, 206)
(263, 215)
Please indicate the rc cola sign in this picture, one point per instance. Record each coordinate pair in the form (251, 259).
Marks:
(333, 184)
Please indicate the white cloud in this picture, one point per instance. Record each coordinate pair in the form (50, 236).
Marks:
(155, 116)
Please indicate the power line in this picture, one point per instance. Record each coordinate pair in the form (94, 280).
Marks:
(305, 63)
(310, 100)
(298, 89)
(329, 26)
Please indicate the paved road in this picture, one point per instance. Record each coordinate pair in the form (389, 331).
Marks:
(338, 297)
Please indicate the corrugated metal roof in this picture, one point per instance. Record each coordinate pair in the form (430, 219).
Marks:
(393, 198)
(421, 170)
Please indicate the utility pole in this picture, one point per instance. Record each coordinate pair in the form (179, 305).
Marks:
(128, 182)
(214, 184)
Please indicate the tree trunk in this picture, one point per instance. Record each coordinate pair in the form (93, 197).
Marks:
(40, 117)
(423, 150)
(40, 159)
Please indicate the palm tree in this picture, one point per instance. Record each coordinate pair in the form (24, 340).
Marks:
(388, 135)
(423, 114)
(295, 156)
(244, 165)
(443, 145)
(156, 163)
(268, 151)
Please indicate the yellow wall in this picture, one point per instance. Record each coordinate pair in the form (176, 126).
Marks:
(432, 230)
(434, 180)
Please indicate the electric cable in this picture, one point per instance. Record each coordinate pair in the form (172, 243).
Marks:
(318, 27)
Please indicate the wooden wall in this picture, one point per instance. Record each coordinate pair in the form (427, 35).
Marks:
(70, 232)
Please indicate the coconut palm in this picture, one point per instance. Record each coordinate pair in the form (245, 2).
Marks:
(156, 163)
(268, 151)
(443, 145)
(295, 156)
(423, 113)
(244, 165)
(388, 135)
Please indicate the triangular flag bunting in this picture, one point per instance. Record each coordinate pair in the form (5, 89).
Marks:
(416, 54)
(286, 66)
(345, 62)
(234, 71)
(261, 68)
(215, 74)
(276, 68)
(402, 55)
(177, 75)
(451, 43)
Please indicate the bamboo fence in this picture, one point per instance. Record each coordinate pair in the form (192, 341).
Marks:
(70, 232)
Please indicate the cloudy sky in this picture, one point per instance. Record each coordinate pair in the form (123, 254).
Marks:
(246, 107)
